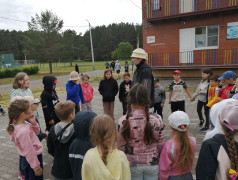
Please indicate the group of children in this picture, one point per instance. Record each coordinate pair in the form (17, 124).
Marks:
(86, 147)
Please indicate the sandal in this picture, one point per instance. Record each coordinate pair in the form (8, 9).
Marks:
(201, 123)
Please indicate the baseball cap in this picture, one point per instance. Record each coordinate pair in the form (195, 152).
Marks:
(177, 72)
(227, 75)
(32, 100)
(156, 80)
(56, 81)
(74, 76)
(229, 114)
(139, 53)
(178, 119)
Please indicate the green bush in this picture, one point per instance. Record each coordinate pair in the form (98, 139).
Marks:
(7, 73)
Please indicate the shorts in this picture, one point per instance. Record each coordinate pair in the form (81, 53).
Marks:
(118, 71)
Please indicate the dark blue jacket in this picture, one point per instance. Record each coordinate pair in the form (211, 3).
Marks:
(81, 143)
(74, 91)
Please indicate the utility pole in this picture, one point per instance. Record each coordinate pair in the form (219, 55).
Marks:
(91, 41)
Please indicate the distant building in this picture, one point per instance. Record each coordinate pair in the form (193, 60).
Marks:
(190, 34)
(8, 61)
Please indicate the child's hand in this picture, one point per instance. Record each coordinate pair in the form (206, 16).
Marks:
(199, 92)
(169, 101)
(52, 122)
(47, 133)
(83, 105)
(162, 105)
(120, 101)
(32, 119)
(38, 172)
(191, 99)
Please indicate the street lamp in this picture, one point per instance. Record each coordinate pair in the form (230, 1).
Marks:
(91, 41)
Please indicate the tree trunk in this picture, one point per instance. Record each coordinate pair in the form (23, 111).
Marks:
(50, 66)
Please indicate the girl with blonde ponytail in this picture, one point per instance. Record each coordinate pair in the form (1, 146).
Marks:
(104, 161)
(141, 135)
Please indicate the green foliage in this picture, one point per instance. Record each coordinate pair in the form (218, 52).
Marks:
(6, 73)
(123, 51)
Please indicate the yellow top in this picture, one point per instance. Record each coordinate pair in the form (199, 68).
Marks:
(212, 97)
(117, 167)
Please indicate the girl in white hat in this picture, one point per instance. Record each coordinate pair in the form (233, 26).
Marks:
(176, 158)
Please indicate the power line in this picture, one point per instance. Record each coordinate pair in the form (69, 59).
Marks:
(13, 19)
(135, 4)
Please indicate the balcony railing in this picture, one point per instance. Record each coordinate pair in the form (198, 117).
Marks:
(164, 9)
(217, 58)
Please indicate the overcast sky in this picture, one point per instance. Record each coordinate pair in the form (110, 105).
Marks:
(72, 12)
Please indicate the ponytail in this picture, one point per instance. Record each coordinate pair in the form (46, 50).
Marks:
(126, 125)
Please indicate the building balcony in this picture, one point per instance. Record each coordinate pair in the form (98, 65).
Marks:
(161, 10)
(213, 58)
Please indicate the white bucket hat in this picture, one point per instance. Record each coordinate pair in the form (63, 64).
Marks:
(177, 119)
(32, 100)
(139, 53)
(74, 76)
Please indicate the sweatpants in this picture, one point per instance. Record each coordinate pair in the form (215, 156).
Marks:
(158, 109)
(177, 106)
(108, 108)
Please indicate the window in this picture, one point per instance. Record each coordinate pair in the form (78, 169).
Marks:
(206, 36)
(156, 5)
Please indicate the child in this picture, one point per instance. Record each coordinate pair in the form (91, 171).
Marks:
(74, 91)
(176, 158)
(1, 109)
(176, 95)
(201, 94)
(141, 135)
(34, 103)
(234, 90)
(126, 67)
(106, 64)
(118, 69)
(228, 78)
(49, 99)
(60, 137)
(112, 65)
(108, 88)
(87, 93)
(81, 144)
(104, 161)
(218, 156)
(211, 99)
(24, 135)
(159, 98)
(124, 89)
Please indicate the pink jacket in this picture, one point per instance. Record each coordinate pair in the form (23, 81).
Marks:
(87, 92)
(28, 144)
(169, 159)
(137, 152)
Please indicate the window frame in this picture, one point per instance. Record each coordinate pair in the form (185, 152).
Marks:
(206, 46)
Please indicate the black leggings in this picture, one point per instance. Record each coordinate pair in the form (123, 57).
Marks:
(201, 105)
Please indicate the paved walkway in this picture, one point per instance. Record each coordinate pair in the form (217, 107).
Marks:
(8, 154)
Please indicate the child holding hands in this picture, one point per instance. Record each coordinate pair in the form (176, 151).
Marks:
(23, 134)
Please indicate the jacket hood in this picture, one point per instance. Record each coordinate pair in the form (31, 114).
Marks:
(67, 134)
(82, 122)
(48, 82)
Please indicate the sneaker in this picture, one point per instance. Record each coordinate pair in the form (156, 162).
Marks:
(204, 129)
(20, 176)
(201, 123)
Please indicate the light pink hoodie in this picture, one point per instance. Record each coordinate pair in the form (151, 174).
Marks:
(87, 92)
(28, 144)
(169, 158)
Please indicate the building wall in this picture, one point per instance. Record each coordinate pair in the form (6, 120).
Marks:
(167, 32)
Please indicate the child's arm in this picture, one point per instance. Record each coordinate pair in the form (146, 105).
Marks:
(81, 94)
(34, 124)
(121, 92)
(29, 151)
(196, 93)
(170, 96)
(189, 94)
(100, 88)
(165, 163)
(115, 90)
(163, 95)
(50, 142)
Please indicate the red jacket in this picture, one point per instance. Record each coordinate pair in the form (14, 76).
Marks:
(223, 93)
(87, 92)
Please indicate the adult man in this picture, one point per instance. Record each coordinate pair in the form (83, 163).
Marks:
(143, 73)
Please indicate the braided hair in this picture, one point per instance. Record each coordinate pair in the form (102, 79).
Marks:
(139, 96)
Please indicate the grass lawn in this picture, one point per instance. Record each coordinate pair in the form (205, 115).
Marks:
(62, 69)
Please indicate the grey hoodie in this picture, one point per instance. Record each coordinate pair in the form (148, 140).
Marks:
(67, 134)
(159, 94)
(202, 88)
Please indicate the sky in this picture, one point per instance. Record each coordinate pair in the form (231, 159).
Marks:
(72, 12)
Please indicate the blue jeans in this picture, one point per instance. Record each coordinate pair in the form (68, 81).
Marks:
(145, 172)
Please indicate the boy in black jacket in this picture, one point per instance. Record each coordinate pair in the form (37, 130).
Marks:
(81, 144)
(60, 137)
(49, 99)
(124, 89)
